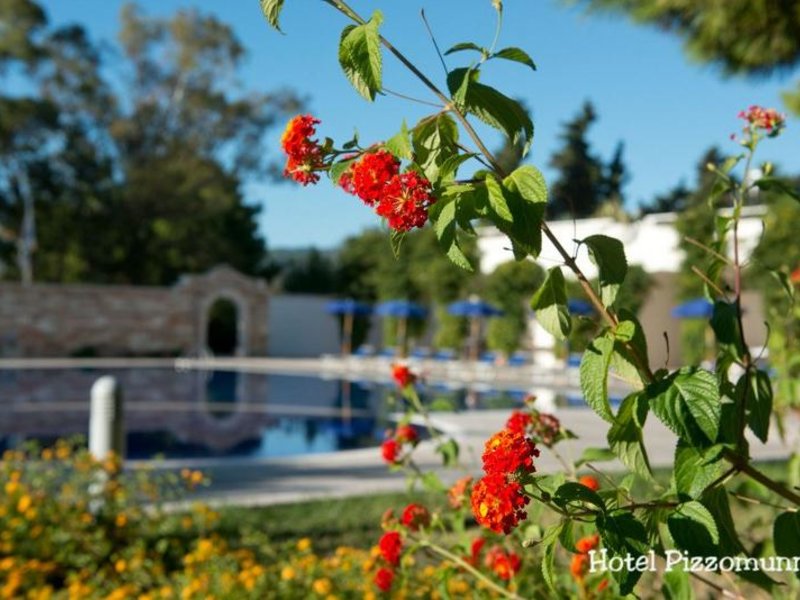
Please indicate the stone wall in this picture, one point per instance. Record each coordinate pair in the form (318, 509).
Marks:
(41, 320)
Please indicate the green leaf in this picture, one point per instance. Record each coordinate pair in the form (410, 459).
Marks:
(515, 54)
(550, 304)
(548, 544)
(490, 106)
(593, 455)
(759, 404)
(716, 501)
(693, 529)
(623, 535)
(519, 204)
(677, 585)
(725, 323)
(497, 200)
(572, 491)
(612, 266)
(360, 56)
(625, 437)
(272, 11)
(400, 144)
(778, 186)
(434, 140)
(688, 402)
(695, 469)
(465, 46)
(449, 167)
(594, 375)
(529, 183)
(629, 355)
(449, 451)
(786, 534)
(443, 216)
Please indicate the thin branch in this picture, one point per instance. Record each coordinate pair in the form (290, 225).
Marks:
(433, 39)
(411, 98)
(708, 249)
(708, 282)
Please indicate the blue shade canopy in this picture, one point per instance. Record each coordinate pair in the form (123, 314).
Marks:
(473, 308)
(698, 308)
(579, 307)
(348, 306)
(402, 309)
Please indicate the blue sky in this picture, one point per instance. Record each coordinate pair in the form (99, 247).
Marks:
(665, 109)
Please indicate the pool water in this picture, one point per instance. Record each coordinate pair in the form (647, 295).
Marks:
(219, 413)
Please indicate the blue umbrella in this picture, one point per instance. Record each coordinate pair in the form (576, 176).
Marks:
(579, 307)
(475, 309)
(402, 310)
(349, 308)
(697, 308)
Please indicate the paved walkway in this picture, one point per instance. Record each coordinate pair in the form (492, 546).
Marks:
(359, 472)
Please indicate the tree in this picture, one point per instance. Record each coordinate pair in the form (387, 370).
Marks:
(312, 274)
(742, 36)
(510, 287)
(674, 200)
(139, 181)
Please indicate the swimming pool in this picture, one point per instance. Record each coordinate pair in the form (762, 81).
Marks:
(183, 414)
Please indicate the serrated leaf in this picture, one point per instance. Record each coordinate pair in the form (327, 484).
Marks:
(693, 529)
(449, 167)
(434, 140)
(548, 544)
(529, 183)
(725, 323)
(593, 373)
(695, 469)
(443, 216)
(688, 402)
(623, 535)
(516, 55)
(572, 491)
(400, 143)
(460, 47)
(272, 12)
(490, 106)
(609, 255)
(629, 355)
(677, 585)
(716, 501)
(550, 304)
(360, 56)
(497, 200)
(625, 437)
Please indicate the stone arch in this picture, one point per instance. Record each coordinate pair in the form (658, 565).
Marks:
(240, 305)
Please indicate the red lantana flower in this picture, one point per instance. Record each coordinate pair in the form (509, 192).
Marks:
(457, 494)
(508, 452)
(587, 544)
(406, 434)
(405, 200)
(580, 562)
(519, 422)
(504, 564)
(767, 119)
(402, 375)
(546, 428)
(475, 551)
(390, 450)
(384, 579)
(304, 154)
(415, 516)
(368, 176)
(590, 482)
(391, 546)
(498, 504)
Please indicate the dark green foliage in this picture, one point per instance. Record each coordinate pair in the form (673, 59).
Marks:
(509, 287)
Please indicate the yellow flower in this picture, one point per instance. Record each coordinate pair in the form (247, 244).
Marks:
(47, 454)
(120, 566)
(12, 487)
(62, 452)
(303, 544)
(24, 503)
(121, 520)
(288, 573)
(322, 586)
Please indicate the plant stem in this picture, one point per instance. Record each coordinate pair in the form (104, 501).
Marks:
(468, 567)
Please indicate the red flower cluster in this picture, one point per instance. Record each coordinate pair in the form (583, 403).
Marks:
(402, 199)
(475, 551)
(368, 177)
(397, 443)
(504, 564)
(768, 119)
(305, 155)
(402, 375)
(542, 428)
(391, 547)
(590, 482)
(580, 562)
(498, 500)
(458, 494)
(415, 516)
(384, 579)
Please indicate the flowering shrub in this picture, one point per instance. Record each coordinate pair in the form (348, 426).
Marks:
(714, 415)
